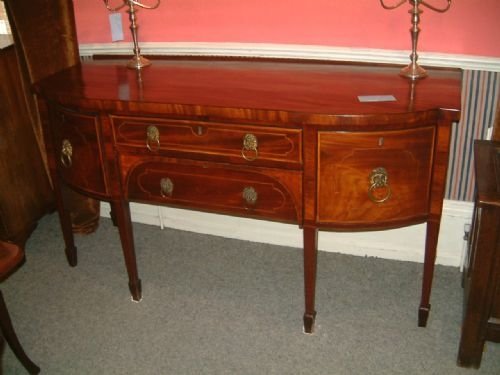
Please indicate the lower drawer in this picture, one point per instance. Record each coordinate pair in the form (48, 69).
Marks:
(254, 192)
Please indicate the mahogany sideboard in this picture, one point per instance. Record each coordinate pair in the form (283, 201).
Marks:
(324, 145)
(481, 316)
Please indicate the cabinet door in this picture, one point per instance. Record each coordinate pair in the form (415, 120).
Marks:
(77, 150)
(374, 178)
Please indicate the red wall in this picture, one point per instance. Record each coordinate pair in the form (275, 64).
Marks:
(470, 27)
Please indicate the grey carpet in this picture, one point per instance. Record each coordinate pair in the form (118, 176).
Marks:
(220, 306)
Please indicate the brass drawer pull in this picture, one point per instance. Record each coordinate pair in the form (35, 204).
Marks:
(379, 180)
(152, 138)
(166, 187)
(249, 150)
(66, 153)
(250, 196)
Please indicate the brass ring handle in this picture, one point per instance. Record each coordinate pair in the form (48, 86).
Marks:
(66, 153)
(152, 138)
(250, 196)
(379, 179)
(166, 187)
(249, 152)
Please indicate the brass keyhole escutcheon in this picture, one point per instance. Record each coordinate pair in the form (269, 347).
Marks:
(166, 187)
(250, 196)
(66, 153)
(379, 190)
(152, 138)
(249, 150)
(200, 130)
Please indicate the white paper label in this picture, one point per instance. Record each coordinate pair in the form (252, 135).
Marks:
(115, 22)
(376, 98)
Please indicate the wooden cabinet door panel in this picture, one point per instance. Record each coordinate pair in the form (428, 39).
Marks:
(78, 151)
(365, 177)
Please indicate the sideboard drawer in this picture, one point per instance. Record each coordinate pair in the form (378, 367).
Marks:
(256, 145)
(371, 178)
(77, 150)
(266, 193)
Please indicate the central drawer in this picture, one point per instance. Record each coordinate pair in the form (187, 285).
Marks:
(242, 144)
(252, 192)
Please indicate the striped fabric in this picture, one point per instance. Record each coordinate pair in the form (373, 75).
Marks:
(480, 90)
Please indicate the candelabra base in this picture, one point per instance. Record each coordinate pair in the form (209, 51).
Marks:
(413, 71)
(138, 62)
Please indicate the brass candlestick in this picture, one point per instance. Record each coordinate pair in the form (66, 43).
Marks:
(137, 61)
(413, 70)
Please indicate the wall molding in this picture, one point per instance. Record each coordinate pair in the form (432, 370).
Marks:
(406, 244)
(293, 51)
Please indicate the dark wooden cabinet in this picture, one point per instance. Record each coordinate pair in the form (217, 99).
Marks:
(44, 32)
(275, 140)
(481, 320)
(496, 125)
(25, 191)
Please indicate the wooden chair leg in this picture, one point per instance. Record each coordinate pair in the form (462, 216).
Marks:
(11, 338)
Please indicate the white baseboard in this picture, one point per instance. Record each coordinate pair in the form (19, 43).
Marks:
(405, 244)
(293, 51)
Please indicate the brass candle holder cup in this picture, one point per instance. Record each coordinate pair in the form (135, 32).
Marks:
(413, 70)
(137, 61)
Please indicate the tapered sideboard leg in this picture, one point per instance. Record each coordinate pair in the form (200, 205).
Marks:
(310, 266)
(66, 227)
(431, 241)
(124, 222)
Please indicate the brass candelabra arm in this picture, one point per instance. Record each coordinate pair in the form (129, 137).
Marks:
(134, 2)
(392, 6)
(440, 10)
(139, 4)
(116, 9)
(424, 3)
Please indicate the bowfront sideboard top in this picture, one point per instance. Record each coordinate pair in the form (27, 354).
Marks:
(324, 145)
(287, 92)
